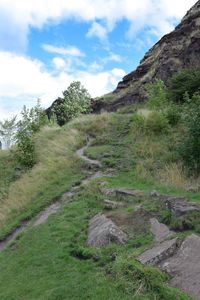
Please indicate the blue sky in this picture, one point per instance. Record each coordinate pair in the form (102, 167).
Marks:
(46, 44)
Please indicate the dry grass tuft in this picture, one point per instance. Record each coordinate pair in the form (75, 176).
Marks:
(173, 175)
(55, 155)
(55, 152)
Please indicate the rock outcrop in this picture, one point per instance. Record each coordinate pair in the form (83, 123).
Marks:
(124, 192)
(184, 266)
(159, 230)
(179, 205)
(175, 51)
(159, 252)
(103, 231)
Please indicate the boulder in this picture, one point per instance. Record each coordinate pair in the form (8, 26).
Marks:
(159, 252)
(184, 266)
(179, 205)
(159, 230)
(102, 231)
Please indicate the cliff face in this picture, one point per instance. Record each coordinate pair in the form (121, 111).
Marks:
(175, 51)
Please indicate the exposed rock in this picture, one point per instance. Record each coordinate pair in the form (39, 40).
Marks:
(103, 231)
(159, 230)
(184, 266)
(175, 51)
(123, 192)
(159, 253)
(154, 193)
(179, 205)
(114, 204)
(103, 183)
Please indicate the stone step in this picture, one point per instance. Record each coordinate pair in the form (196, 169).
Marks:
(159, 230)
(184, 266)
(102, 231)
(124, 192)
(159, 252)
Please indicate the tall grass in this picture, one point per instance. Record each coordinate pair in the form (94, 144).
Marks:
(56, 170)
(55, 159)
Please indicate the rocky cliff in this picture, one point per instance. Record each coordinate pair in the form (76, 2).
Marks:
(175, 51)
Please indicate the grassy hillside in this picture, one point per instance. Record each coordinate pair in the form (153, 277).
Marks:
(51, 261)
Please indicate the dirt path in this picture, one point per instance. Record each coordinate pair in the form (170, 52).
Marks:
(53, 208)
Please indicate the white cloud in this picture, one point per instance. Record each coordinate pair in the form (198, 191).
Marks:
(24, 80)
(19, 15)
(69, 50)
(59, 63)
(97, 30)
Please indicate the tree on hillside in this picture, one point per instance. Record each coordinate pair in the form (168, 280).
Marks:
(31, 122)
(7, 131)
(76, 101)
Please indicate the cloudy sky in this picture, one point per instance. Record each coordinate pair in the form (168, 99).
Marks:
(46, 44)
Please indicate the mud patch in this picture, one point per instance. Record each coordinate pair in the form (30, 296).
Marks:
(136, 222)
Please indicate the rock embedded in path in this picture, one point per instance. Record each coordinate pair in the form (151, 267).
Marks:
(159, 253)
(179, 205)
(154, 193)
(124, 192)
(114, 204)
(102, 231)
(184, 266)
(159, 230)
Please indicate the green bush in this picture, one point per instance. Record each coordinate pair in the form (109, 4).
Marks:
(157, 123)
(157, 95)
(190, 146)
(187, 80)
(173, 114)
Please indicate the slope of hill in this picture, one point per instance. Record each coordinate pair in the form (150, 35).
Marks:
(175, 51)
(50, 260)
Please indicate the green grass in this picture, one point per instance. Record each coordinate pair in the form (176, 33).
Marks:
(52, 260)
(9, 172)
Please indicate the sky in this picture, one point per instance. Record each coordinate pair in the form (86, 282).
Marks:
(47, 44)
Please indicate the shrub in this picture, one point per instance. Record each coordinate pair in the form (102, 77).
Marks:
(157, 123)
(157, 94)
(173, 114)
(190, 146)
(187, 80)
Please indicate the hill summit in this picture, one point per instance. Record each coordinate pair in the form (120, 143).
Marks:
(173, 52)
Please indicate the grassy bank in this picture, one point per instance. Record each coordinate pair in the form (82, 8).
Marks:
(51, 261)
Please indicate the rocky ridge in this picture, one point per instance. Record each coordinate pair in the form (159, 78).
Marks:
(175, 51)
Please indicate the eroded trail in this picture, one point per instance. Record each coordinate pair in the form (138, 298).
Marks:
(53, 208)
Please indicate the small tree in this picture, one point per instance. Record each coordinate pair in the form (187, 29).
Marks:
(76, 100)
(32, 120)
(7, 131)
